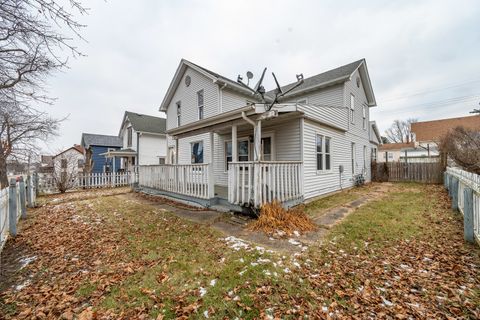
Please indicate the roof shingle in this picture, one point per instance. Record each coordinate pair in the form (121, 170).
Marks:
(90, 139)
(146, 123)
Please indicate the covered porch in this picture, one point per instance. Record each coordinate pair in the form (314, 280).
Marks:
(128, 159)
(244, 158)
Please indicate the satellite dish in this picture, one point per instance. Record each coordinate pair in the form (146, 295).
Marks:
(249, 75)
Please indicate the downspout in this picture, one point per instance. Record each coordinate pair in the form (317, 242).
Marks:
(138, 154)
(244, 116)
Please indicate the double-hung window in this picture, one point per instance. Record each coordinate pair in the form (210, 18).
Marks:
(352, 108)
(242, 150)
(323, 150)
(179, 113)
(129, 136)
(364, 114)
(200, 104)
(197, 152)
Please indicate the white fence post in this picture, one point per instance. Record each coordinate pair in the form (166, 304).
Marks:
(468, 231)
(22, 200)
(12, 207)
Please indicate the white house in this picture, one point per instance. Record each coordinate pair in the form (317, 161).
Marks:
(144, 141)
(314, 141)
(69, 163)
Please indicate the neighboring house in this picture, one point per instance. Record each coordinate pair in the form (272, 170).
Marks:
(313, 142)
(375, 140)
(70, 162)
(394, 152)
(143, 141)
(427, 134)
(46, 164)
(95, 146)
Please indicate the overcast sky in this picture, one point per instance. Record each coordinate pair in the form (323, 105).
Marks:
(423, 56)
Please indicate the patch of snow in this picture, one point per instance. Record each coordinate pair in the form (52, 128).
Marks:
(387, 303)
(296, 264)
(26, 261)
(202, 291)
(267, 273)
(241, 260)
(325, 309)
(286, 270)
(253, 264)
(19, 287)
(236, 243)
(242, 272)
(213, 282)
(236, 298)
(263, 261)
(294, 242)
(296, 233)
(205, 314)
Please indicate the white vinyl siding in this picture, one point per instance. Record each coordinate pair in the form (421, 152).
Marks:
(188, 97)
(365, 158)
(353, 157)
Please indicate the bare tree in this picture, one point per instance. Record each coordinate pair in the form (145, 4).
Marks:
(400, 131)
(20, 129)
(462, 145)
(36, 39)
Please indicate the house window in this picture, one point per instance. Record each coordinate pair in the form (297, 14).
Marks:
(374, 154)
(81, 163)
(352, 108)
(267, 149)
(323, 153)
(64, 163)
(200, 104)
(353, 157)
(364, 114)
(179, 113)
(129, 136)
(242, 149)
(197, 152)
(161, 160)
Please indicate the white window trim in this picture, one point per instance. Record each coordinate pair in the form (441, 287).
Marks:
(201, 106)
(179, 114)
(324, 171)
(352, 108)
(242, 138)
(191, 151)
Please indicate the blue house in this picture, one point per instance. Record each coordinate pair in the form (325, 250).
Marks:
(97, 144)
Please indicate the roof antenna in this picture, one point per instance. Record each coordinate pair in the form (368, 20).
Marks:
(249, 76)
(279, 91)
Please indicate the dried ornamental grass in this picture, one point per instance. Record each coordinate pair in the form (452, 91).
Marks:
(273, 218)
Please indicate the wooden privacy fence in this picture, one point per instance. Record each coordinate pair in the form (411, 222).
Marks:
(14, 201)
(401, 172)
(47, 182)
(464, 190)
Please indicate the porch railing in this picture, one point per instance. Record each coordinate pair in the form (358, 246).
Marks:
(261, 182)
(186, 179)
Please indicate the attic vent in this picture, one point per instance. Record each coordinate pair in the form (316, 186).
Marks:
(358, 82)
(188, 80)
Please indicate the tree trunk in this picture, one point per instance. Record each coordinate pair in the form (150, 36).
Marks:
(3, 169)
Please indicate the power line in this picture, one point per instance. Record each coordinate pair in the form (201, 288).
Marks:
(418, 93)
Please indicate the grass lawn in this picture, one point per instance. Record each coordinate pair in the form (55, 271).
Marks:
(114, 257)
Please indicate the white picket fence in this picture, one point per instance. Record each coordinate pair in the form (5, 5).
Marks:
(465, 180)
(48, 185)
(13, 205)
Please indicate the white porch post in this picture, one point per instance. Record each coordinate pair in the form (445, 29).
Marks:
(113, 165)
(211, 182)
(176, 151)
(257, 181)
(234, 144)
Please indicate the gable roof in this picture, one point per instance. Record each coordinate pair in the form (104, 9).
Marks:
(145, 123)
(396, 146)
(91, 139)
(435, 129)
(374, 132)
(76, 147)
(330, 77)
(215, 77)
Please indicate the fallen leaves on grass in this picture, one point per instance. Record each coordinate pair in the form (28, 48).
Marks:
(274, 217)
